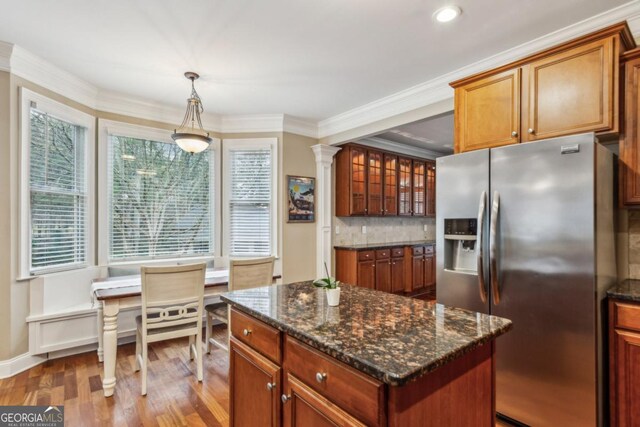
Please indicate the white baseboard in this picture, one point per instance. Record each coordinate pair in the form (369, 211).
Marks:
(11, 367)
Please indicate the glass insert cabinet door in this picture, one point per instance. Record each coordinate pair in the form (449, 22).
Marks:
(404, 186)
(358, 181)
(374, 164)
(419, 202)
(390, 184)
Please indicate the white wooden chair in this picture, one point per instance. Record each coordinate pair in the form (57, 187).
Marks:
(243, 274)
(172, 307)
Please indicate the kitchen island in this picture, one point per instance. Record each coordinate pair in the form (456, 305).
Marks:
(376, 359)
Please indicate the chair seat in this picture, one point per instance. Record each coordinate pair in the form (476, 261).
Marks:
(155, 331)
(218, 309)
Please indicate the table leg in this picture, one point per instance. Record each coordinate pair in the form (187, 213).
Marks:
(100, 320)
(110, 342)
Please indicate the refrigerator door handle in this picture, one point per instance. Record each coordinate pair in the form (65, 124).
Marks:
(480, 251)
(493, 258)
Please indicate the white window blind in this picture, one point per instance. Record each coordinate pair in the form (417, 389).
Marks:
(250, 202)
(57, 184)
(159, 200)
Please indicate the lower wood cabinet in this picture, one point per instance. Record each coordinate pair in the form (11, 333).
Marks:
(254, 387)
(394, 269)
(624, 362)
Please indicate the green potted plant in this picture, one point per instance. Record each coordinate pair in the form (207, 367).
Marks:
(331, 285)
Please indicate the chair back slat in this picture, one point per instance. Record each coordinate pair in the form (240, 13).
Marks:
(172, 296)
(250, 273)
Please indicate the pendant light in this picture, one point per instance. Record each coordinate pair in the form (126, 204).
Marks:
(187, 136)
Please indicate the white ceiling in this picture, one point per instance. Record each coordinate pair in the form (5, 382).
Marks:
(307, 59)
(433, 134)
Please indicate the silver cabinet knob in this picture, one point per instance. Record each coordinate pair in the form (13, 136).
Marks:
(321, 377)
(246, 332)
(271, 386)
(285, 398)
(531, 131)
(514, 134)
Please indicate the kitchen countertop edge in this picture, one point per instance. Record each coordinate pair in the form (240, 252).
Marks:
(626, 290)
(372, 246)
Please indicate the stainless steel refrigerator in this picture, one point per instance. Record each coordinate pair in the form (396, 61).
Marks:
(526, 232)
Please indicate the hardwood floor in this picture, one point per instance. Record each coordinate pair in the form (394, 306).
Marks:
(175, 397)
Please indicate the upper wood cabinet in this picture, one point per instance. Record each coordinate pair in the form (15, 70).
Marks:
(629, 152)
(378, 183)
(487, 112)
(568, 89)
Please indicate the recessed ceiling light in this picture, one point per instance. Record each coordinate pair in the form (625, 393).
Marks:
(447, 13)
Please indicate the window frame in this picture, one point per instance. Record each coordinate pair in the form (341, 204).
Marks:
(109, 127)
(76, 117)
(229, 145)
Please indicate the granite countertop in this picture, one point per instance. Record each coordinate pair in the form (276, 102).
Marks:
(628, 290)
(392, 338)
(372, 246)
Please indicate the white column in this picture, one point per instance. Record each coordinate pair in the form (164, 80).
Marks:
(324, 195)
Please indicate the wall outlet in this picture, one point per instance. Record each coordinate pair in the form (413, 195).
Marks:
(364, 229)
(425, 227)
(337, 229)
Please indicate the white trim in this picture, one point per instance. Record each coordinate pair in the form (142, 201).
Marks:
(385, 144)
(70, 115)
(229, 145)
(300, 126)
(438, 89)
(11, 367)
(6, 49)
(110, 127)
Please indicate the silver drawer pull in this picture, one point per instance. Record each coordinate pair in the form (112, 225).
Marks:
(246, 332)
(321, 377)
(285, 398)
(271, 386)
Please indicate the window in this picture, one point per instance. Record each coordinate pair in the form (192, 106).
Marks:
(160, 200)
(58, 202)
(250, 166)
(55, 201)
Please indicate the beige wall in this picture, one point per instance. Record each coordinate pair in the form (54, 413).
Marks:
(296, 243)
(299, 239)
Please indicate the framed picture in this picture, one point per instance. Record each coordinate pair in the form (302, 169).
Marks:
(301, 202)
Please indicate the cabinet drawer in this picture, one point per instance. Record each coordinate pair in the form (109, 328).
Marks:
(626, 316)
(258, 335)
(365, 255)
(428, 250)
(418, 250)
(382, 253)
(397, 252)
(356, 393)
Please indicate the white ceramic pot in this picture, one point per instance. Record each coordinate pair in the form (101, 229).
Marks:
(333, 297)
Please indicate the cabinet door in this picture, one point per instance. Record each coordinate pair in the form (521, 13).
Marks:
(430, 275)
(254, 387)
(304, 407)
(487, 112)
(418, 272)
(431, 189)
(397, 275)
(367, 274)
(419, 190)
(629, 152)
(383, 275)
(570, 92)
(390, 184)
(404, 186)
(374, 183)
(627, 378)
(358, 181)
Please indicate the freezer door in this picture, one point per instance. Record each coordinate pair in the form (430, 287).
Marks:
(461, 180)
(543, 245)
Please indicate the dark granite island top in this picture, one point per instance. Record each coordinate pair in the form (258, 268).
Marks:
(628, 290)
(392, 338)
(372, 246)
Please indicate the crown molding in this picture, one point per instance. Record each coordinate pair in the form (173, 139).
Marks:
(5, 56)
(300, 126)
(386, 145)
(438, 88)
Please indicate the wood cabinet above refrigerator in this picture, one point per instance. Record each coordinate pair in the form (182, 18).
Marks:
(568, 89)
(372, 182)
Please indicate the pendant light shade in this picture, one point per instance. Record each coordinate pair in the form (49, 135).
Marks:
(190, 138)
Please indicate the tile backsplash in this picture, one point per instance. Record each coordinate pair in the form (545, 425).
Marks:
(382, 230)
